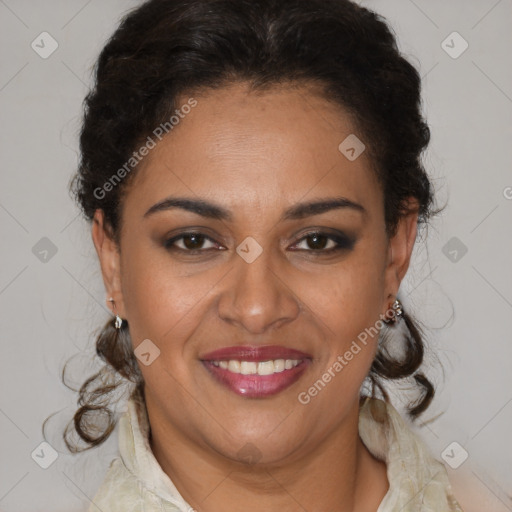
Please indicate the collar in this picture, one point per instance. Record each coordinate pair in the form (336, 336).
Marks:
(138, 458)
(417, 481)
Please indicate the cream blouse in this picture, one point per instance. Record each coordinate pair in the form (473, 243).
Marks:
(135, 482)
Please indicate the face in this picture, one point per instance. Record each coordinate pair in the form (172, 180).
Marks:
(249, 237)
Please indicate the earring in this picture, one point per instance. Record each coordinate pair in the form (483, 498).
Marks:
(398, 311)
(118, 322)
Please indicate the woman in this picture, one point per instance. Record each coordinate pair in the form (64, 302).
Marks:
(252, 172)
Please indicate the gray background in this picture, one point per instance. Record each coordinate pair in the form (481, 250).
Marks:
(50, 304)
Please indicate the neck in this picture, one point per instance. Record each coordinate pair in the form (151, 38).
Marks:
(335, 476)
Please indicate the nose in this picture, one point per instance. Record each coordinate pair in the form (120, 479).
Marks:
(258, 297)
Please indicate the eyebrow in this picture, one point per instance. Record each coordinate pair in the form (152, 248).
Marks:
(214, 211)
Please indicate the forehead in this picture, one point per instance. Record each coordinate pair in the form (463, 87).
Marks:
(254, 149)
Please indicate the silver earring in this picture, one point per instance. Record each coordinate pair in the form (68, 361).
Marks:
(397, 310)
(393, 314)
(118, 322)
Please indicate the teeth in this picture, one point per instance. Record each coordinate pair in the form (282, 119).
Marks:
(279, 365)
(265, 368)
(257, 368)
(234, 366)
(248, 367)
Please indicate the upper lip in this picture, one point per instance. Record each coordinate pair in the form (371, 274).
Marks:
(254, 353)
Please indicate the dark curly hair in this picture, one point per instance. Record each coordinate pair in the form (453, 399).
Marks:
(167, 49)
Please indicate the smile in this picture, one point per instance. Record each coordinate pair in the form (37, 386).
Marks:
(252, 371)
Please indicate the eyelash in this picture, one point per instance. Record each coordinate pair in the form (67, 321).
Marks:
(343, 242)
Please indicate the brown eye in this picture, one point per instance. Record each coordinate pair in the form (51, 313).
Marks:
(317, 241)
(190, 242)
(324, 242)
(193, 241)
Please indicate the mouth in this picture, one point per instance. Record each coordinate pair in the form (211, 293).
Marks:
(256, 372)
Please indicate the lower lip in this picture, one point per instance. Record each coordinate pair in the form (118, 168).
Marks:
(257, 386)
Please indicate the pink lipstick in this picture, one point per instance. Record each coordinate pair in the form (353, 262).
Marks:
(256, 372)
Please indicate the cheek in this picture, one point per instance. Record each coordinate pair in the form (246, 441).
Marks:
(347, 302)
(155, 299)
(163, 304)
(346, 298)
(166, 309)
(352, 316)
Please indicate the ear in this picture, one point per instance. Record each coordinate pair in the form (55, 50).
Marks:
(400, 250)
(110, 261)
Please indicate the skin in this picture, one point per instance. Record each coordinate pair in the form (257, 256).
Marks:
(257, 154)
